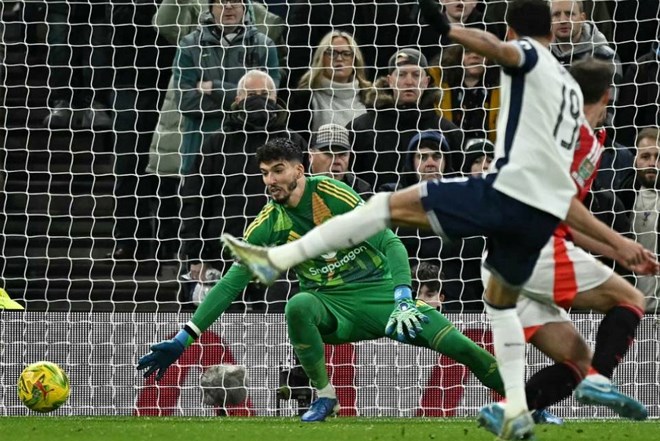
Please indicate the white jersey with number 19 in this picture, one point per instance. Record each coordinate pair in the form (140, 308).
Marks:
(538, 126)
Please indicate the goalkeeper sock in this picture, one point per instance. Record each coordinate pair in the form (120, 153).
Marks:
(552, 384)
(339, 232)
(327, 392)
(509, 342)
(307, 318)
(441, 335)
(615, 335)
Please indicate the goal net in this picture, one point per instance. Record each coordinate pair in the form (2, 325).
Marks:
(128, 148)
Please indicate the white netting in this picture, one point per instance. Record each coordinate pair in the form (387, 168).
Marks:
(98, 224)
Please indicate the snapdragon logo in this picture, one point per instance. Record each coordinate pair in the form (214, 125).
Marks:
(335, 264)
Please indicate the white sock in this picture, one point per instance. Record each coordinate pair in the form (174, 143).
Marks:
(509, 341)
(337, 233)
(327, 392)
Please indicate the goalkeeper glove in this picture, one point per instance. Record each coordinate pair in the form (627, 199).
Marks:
(165, 353)
(405, 318)
(430, 10)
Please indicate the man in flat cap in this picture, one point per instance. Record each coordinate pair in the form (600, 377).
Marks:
(330, 155)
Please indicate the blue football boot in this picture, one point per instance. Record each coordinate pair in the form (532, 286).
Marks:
(604, 393)
(320, 409)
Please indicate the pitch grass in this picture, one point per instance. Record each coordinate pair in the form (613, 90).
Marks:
(285, 429)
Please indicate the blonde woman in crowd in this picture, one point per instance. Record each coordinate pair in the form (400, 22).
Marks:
(333, 90)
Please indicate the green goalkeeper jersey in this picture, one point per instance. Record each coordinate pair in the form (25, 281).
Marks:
(382, 257)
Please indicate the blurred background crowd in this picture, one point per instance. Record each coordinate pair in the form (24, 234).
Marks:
(130, 128)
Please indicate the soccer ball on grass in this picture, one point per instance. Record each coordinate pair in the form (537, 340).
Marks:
(43, 386)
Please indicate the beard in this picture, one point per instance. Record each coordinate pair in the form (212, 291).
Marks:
(285, 194)
(648, 180)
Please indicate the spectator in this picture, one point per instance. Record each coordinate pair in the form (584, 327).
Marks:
(334, 89)
(460, 260)
(330, 154)
(224, 191)
(142, 65)
(576, 38)
(479, 155)
(400, 106)
(425, 160)
(639, 97)
(208, 65)
(377, 25)
(470, 92)
(175, 19)
(80, 75)
(639, 196)
(427, 284)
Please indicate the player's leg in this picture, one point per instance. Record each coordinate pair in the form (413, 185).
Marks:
(623, 306)
(509, 342)
(440, 335)
(562, 343)
(448, 203)
(307, 319)
(402, 208)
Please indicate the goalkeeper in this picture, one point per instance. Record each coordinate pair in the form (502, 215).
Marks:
(345, 297)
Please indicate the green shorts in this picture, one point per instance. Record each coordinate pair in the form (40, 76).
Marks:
(360, 310)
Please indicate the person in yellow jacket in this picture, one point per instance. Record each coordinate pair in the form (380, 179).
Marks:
(470, 92)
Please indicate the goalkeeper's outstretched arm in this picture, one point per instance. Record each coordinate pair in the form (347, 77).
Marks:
(219, 298)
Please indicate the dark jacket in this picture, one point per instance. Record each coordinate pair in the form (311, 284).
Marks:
(202, 57)
(639, 98)
(381, 136)
(225, 191)
(360, 186)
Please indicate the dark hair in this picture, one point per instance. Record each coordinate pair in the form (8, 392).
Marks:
(594, 77)
(428, 274)
(529, 18)
(279, 149)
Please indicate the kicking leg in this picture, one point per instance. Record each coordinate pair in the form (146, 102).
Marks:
(307, 318)
(509, 341)
(349, 229)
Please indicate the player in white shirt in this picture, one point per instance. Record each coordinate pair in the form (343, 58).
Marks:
(566, 276)
(517, 207)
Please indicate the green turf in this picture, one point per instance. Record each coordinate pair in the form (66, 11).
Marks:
(275, 429)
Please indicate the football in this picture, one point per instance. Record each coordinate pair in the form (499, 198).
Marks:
(43, 386)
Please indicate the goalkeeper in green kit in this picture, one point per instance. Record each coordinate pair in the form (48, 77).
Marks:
(356, 294)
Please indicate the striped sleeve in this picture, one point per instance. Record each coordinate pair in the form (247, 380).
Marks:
(343, 197)
(259, 232)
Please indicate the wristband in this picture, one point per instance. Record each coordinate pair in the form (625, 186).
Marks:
(184, 338)
(401, 293)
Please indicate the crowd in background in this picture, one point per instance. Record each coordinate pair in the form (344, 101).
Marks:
(189, 89)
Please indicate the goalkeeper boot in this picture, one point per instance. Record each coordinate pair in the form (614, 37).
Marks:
(599, 390)
(320, 409)
(542, 416)
(254, 258)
